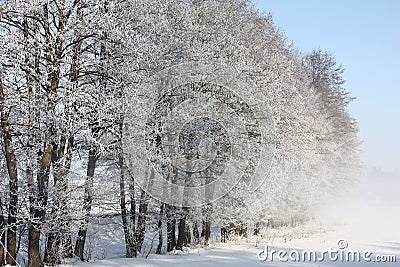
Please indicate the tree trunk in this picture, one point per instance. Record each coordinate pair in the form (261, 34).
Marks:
(73, 77)
(13, 181)
(59, 237)
(87, 204)
(171, 222)
(132, 216)
(257, 228)
(2, 234)
(182, 226)
(67, 240)
(160, 232)
(34, 259)
(182, 231)
(12, 222)
(188, 234)
(53, 61)
(128, 219)
(224, 234)
(67, 245)
(141, 223)
(196, 234)
(242, 230)
(207, 209)
(206, 227)
(51, 249)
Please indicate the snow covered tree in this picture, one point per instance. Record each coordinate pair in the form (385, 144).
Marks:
(118, 105)
(46, 83)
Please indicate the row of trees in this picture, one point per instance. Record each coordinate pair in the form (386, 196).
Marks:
(66, 67)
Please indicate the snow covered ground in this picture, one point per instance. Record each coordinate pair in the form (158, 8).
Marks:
(366, 222)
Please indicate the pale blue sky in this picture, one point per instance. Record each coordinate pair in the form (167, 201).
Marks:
(364, 36)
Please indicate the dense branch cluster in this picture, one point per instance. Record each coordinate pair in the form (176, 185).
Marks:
(67, 68)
